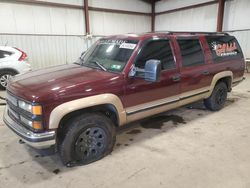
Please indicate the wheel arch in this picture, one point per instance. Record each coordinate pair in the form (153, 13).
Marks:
(104, 103)
(9, 69)
(225, 76)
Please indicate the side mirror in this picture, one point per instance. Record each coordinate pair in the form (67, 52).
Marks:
(152, 70)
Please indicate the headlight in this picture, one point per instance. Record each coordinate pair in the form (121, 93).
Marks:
(36, 110)
(26, 121)
(25, 106)
(32, 120)
(34, 124)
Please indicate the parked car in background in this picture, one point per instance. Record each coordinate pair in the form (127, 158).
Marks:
(12, 61)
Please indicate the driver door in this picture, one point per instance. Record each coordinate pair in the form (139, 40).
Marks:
(142, 95)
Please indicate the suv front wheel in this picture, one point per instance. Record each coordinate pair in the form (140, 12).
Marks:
(89, 137)
(218, 97)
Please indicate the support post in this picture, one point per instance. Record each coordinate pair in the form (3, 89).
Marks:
(86, 13)
(153, 16)
(220, 16)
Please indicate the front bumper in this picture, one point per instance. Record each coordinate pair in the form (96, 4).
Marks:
(37, 140)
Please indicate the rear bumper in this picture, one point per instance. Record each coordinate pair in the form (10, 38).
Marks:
(37, 140)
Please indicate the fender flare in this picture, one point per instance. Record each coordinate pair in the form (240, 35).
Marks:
(63, 109)
(216, 78)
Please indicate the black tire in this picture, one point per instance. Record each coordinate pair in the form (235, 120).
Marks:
(89, 138)
(4, 75)
(218, 97)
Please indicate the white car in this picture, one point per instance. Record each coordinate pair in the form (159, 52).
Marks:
(12, 61)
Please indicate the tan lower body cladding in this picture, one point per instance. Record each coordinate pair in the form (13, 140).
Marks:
(159, 106)
(139, 111)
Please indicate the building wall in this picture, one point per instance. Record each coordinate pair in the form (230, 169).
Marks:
(165, 5)
(130, 5)
(205, 18)
(45, 50)
(196, 19)
(113, 23)
(56, 35)
(237, 16)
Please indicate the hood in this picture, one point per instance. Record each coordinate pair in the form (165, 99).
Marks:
(59, 81)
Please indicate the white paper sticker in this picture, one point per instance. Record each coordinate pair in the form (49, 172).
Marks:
(130, 46)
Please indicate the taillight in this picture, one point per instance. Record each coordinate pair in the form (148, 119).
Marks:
(23, 55)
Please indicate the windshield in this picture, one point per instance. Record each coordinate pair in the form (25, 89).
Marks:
(109, 54)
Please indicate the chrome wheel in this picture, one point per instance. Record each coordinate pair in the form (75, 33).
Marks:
(90, 144)
(4, 79)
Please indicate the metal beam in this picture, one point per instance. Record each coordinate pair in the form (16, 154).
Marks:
(63, 5)
(44, 3)
(118, 11)
(188, 7)
(48, 35)
(220, 15)
(86, 13)
(153, 16)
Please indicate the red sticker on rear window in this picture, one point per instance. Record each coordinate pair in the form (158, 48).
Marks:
(225, 49)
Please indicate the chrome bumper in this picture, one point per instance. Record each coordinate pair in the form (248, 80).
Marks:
(36, 140)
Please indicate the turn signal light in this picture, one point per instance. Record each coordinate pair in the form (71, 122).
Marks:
(37, 125)
(37, 110)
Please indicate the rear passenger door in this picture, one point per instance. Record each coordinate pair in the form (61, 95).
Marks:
(194, 69)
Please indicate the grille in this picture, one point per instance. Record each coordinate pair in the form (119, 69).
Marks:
(12, 105)
(11, 99)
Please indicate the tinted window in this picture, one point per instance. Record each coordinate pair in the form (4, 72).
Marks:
(224, 48)
(4, 54)
(191, 52)
(159, 50)
(1, 54)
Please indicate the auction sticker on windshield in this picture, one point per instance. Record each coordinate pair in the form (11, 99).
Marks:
(116, 67)
(130, 46)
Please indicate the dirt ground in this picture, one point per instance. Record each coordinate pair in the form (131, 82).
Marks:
(188, 147)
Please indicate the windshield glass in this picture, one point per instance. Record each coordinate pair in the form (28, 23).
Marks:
(109, 54)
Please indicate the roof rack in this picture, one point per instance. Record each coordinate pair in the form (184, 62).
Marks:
(193, 32)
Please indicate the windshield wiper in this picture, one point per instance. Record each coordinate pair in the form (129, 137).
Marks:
(99, 65)
(77, 63)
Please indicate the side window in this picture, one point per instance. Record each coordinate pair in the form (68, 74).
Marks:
(4, 54)
(224, 48)
(1, 54)
(159, 50)
(191, 52)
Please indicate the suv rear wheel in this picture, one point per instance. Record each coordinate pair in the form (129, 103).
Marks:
(4, 77)
(218, 97)
(89, 137)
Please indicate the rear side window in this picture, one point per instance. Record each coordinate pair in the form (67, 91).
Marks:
(191, 52)
(224, 48)
(160, 50)
(4, 54)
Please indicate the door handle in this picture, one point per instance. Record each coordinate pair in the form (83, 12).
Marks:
(205, 72)
(176, 78)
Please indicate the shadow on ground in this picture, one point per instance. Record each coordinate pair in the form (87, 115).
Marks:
(129, 135)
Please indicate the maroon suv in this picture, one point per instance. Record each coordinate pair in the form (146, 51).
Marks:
(120, 79)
